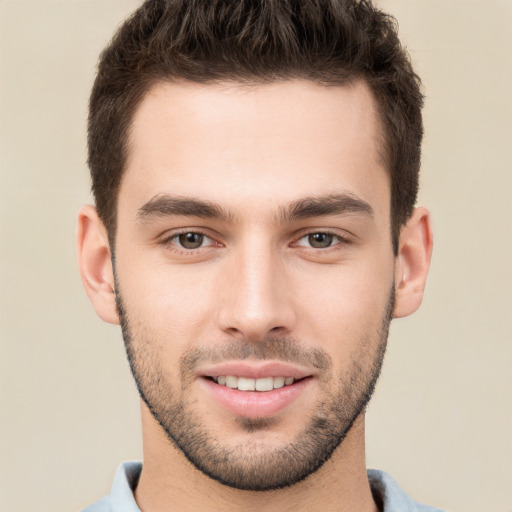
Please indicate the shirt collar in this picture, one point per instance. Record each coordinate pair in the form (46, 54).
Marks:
(386, 491)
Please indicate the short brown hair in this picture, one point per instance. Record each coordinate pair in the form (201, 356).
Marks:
(331, 42)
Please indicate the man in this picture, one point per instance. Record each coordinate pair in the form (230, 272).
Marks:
(255, 170)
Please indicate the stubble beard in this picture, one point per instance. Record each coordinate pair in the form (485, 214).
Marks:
(253, 465)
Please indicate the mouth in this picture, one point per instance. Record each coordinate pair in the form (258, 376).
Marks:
(255, 390)
(263, 384)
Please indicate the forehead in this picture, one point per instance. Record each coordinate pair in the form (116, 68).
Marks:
(259, 145)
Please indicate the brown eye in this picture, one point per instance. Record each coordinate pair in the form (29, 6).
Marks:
(190, 240)
(320, 240)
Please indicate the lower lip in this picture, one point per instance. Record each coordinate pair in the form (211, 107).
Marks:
(256, 404)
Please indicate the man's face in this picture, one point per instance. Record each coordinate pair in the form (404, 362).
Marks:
(254, 271)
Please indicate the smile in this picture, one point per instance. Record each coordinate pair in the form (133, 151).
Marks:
(247, 384)
(255, 389)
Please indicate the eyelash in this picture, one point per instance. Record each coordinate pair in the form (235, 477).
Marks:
(174, 247)
(168, 241)
(342, 240)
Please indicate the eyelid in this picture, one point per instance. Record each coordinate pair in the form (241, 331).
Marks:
(167, 239)
(175, 236)
(344, 237)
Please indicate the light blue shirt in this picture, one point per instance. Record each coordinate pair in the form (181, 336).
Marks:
(384, 488)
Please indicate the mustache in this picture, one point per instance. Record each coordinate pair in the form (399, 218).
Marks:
(284, 349)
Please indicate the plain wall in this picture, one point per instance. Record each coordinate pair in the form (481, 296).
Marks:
(441, 420)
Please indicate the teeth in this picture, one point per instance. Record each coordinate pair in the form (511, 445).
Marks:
(266, 384)
(279, 382)
(231, 382)
(245, 384)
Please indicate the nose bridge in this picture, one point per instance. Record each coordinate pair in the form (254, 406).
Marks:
(256, 301)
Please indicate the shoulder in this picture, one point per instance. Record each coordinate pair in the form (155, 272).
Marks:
(391, 496)
(102, 505)
(121, 497)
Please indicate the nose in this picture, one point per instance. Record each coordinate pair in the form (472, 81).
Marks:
(256, 296)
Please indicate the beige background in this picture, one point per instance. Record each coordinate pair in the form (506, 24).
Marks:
(441, 421)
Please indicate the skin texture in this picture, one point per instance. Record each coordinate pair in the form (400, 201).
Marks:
(255, 289)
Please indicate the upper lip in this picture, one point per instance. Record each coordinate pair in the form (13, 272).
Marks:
(255, 370)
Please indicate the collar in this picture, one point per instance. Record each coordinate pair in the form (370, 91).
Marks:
(388, 495)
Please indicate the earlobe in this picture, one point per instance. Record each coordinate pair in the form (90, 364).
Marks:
(412, 262)
(95, 264)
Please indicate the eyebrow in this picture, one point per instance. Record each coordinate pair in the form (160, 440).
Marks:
(334, 204)
(164, 205)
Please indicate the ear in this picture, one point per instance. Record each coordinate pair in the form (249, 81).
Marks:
(412, 262)
(95, 263)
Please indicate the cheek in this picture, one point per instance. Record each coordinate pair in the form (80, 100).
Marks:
(341, 306)
(175, 307)
(170, 305)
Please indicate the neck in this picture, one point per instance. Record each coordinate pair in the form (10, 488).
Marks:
(169, 482)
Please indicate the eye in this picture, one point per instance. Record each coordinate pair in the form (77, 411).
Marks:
(319, 240)
(191, 240)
